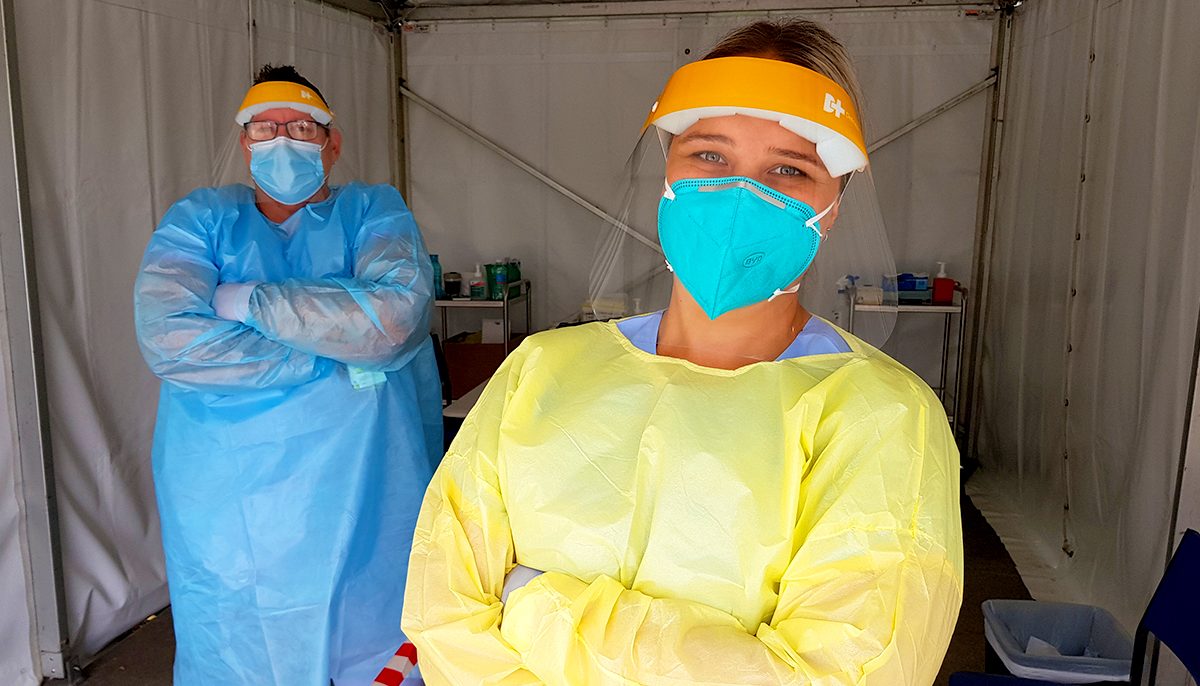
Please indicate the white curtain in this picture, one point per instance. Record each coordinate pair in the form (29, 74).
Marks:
(349, 60)
(569, 97)
(128, 106)
(1095, 280)
(16, 632)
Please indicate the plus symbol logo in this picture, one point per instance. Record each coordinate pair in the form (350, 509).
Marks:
(834, 106)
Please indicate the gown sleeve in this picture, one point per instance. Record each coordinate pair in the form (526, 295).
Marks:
(378, 318)
(462, 550)
(870, 596)
(180, 336)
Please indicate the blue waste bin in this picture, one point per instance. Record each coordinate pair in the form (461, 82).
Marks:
(1060, 642)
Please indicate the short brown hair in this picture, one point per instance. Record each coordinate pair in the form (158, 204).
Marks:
(799, 41)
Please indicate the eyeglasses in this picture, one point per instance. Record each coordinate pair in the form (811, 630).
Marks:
(299, 130)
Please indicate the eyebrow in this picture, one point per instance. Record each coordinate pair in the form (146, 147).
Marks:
(795, 155)
(709, 137)
(725, 140)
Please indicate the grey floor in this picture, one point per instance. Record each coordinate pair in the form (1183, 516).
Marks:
(143, 657)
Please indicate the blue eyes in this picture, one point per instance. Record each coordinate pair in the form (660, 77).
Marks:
(782, 170)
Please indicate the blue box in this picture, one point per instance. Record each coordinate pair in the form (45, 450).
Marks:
(915, 297)
(1091, 644)
(912, 282)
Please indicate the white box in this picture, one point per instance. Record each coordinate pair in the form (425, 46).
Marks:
(493, 331)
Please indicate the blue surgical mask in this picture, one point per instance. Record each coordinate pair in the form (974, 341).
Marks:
(734, 242)
(289, 171)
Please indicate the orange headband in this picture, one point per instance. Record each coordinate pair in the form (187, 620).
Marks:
(803, 101)
(270, 95)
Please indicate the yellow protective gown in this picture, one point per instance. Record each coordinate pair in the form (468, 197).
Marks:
(789, 522)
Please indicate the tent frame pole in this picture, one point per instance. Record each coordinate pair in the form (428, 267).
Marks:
(31, 408)
(985, 225)
(933, 113)
(632, 8)
(401, 176)
(527, 168)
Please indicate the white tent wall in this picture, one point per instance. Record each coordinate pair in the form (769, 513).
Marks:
(128, 106)
(17, 650)
(17, 645)
(569, 96)
(1188, 516)
(349, 58)
(1090, 322)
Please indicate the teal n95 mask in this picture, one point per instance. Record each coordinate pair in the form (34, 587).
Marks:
(733, 242)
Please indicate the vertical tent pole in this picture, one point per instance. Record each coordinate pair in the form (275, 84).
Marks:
(985, 223)
(400, 119)
(32, 430)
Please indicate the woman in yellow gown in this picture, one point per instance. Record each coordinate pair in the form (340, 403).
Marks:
(731, 491)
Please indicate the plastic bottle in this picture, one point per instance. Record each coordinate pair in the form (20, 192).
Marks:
(439, 290)
(891, 289)
(514, 275)
(497, 279)
(478, 285)
(943, 287)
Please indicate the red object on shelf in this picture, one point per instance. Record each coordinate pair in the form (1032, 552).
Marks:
(943, 291)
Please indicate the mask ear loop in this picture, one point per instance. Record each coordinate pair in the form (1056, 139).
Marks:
(814, 224)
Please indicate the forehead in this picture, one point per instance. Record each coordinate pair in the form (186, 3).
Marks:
(280, 114)
(749, 132)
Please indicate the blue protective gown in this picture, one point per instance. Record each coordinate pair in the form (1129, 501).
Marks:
(287, 495)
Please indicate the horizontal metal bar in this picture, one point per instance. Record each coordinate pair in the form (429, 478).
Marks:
(485, 12)
(934, 113)
(367, 8)
(528, 168)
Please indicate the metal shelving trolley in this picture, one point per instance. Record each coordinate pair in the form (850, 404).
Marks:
(959, 307)
(522, 288)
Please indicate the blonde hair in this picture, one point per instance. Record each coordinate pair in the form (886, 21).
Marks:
(799, 41)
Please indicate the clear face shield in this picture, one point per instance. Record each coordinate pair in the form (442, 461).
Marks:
(794, 231)
(312, 127)
(229, 163)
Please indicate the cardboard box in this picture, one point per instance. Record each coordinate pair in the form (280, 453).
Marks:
(493, 330)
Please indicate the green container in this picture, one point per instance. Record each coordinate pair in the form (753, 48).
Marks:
(497, 280)
(514, 275)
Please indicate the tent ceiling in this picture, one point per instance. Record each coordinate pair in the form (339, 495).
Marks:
(427, 10)
(369, 8)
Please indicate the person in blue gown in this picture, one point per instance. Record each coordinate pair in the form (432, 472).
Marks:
(299, 420)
